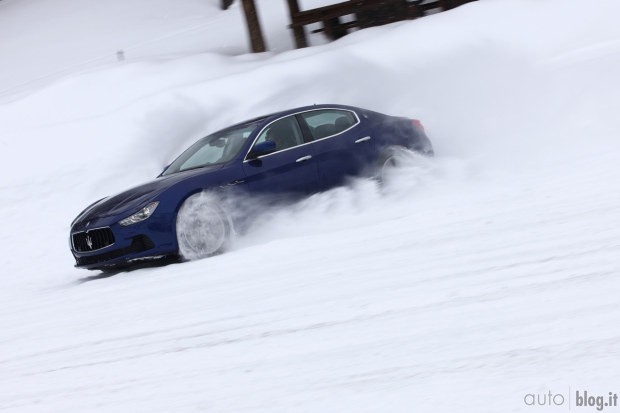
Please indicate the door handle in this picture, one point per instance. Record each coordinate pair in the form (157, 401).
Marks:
(233, 183)
(304, 158)
(364, 139)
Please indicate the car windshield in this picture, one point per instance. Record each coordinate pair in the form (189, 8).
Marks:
(214, 149)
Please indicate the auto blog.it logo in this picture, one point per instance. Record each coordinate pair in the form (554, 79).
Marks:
(572, 399)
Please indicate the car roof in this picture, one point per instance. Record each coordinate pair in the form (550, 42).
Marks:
(305, 108)
(274, 115)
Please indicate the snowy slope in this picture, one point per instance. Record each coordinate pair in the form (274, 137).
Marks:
(472, 280)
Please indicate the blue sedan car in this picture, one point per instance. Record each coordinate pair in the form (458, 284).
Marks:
(297, 152)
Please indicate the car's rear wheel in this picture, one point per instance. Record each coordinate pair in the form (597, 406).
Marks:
(203, 227)
(388, 163)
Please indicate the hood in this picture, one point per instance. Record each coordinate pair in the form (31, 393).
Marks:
(133, 199)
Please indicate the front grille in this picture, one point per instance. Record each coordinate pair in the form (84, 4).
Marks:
(93, 240)
(139, 244)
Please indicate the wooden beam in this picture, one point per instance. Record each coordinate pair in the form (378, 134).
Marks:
(298, 31)
(367, 13)
(340, 9)
(254, 30)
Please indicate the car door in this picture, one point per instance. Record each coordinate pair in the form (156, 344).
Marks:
(343, 146)
(291, 168)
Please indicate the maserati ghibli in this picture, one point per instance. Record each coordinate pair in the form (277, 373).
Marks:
(295, 152)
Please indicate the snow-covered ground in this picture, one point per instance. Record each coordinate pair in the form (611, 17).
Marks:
(471, 281)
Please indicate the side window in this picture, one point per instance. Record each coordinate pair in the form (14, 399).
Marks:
(284, 132)
(328, 122)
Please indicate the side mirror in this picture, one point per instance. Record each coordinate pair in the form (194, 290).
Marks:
(262, 148)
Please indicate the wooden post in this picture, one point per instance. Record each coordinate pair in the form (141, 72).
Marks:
(256, 35)
(445, 5)
(298, 31)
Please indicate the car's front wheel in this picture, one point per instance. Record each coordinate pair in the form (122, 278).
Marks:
(203, 227)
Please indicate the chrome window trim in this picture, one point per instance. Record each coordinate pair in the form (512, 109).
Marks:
(86, 232)
(245, 158)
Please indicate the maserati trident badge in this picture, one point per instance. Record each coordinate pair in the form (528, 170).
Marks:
(89, 242)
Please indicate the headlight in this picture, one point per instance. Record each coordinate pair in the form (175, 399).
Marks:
(143, 214)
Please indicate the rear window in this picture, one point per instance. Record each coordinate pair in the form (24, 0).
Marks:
(329, 122)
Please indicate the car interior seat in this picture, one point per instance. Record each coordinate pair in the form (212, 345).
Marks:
(323, 131)
(342, 123)
(282, 136)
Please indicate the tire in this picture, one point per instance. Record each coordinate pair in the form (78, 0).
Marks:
(388, 163)
(203, 228)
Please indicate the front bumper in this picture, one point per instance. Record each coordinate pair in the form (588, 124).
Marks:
(139, 245)
(153, 238)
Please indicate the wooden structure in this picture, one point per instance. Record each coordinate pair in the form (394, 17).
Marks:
(251, 18)
(224, 4)
(366, 13)
(363, 13)
(256, 34)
